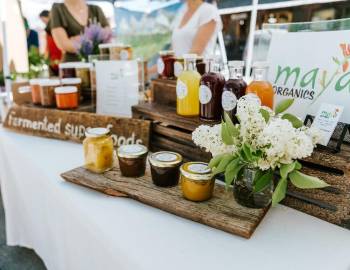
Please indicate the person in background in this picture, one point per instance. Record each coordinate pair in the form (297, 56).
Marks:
(32, 37)
(52, 52)
(68, 20)
(195, 28)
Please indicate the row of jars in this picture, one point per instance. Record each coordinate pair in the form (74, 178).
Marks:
(209, 95)
(115, 51)
(167, 168)
(63, 94)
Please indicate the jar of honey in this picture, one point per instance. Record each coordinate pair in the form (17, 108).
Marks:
(35, 89)
(76, 82)
(47, 91)
(165, 168)
(104, 49)
(82, 71)
(67, 70)
(165, 64)
(66, 97)
(116, 51)
(98, 150)
(132, 160)
(197, 181)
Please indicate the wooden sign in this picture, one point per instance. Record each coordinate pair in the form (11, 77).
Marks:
(70, 125)
(221, 211)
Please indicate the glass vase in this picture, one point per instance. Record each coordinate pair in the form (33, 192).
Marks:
(244, 194)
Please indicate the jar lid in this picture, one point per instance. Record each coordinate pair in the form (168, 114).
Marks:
(236, 63)
(96, 132)
(196, 171)
(49, 82)
(66, 81)
(24, 89)
(66, 90)
(168, 52)
(132, 150)
(165, 159)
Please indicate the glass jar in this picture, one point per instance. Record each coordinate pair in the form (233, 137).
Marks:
(118, 51)
(47, 91)
(260, 86)
(67, 70)
(187, 88)
(234, 89)
(67, 97)
(82, 71)
(165, 64)
(197, 181)
(98, 150)
(244, 194)
(35, 89)
(201, 65)
(76, 82)
(132, 160)
(210, 92)
(104, 49)
(165, 168)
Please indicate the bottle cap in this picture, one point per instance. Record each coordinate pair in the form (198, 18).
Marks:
(236, 63)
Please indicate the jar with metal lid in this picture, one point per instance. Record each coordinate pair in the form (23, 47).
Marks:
(47, 91)
(165, 168)
(66, 97)
(98, 150)
(82, 71)
(76, 82)
(132, 160)
(67, 70)
(197, 181)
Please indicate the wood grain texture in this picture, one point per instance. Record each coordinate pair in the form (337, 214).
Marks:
(164, 92)
(220, 212)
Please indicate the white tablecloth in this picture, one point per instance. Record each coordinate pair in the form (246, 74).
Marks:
(74, 228)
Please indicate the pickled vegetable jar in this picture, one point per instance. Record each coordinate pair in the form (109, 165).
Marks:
(98, 150)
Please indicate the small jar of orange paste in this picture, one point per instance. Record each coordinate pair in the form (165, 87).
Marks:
(67, 97)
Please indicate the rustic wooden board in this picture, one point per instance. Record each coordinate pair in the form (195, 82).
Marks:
(164, 92)
(71, 125)
(220, 212)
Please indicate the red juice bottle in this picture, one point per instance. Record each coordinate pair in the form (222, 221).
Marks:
(210, 92)
(234, 89)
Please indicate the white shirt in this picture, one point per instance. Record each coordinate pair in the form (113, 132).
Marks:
(182, 38)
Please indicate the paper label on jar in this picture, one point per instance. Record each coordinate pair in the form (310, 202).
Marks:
(205, 94)
(228, 100)
(254, 97)
(131, 149)
(181, 89)
(199, 168)
(124, 55)
(166, 157)
(178, 68)
(160, 65)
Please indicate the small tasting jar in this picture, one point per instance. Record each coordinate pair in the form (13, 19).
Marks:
(98, 150)
(76, 82)
(104, 49)
(82, 71)
(132, 160)
(66, 70)
(47, 92)
(35, 89)
(166, 64)
(165, 168)
(67, 97)
(197, 181)
(118, 51)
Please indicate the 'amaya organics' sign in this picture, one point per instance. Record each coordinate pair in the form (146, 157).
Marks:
(72, 125)
(312, 68)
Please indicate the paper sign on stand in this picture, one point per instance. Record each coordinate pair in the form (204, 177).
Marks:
(117, 87)
(313, 68)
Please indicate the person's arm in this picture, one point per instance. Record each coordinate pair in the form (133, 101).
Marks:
(63, 42)
(203, 36)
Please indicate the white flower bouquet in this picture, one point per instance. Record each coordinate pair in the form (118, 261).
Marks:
(269, 141)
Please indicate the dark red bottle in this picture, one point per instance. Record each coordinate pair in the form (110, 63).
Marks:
(210, 92)
(234, 89)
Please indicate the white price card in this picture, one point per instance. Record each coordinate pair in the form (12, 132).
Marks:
(326, 120)
(117, 87)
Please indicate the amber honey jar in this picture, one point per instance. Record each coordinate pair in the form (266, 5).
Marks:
(116, 51)
(98, 150)
(35, 90)
(67, 97)
(47, 92)
(132, 160)
(82, 71)
(197, 181)
(165, 168)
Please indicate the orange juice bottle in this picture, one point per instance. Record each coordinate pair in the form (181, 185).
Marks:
(260, 86)
(187, 88)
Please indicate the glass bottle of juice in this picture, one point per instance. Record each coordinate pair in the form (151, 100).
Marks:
(210, 92)
(187, 88)
(260, 86)
(234, 89)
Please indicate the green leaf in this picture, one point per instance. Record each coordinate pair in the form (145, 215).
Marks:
(263, 181)
(286, 169)
(214, 162)
(232, 171)
(304, 181)
(248, 152)
(295, 121)
(230, 126)
(298, 166)
(283, 105)
(223, 164)
(280, 192)
(225, 134)
(336, 60)
(265, 114)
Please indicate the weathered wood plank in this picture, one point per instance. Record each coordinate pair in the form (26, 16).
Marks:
(220, 212)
